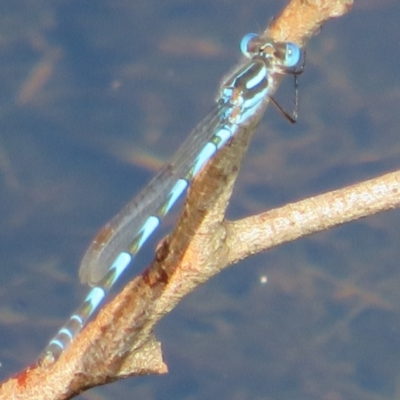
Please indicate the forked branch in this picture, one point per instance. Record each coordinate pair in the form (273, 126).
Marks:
(119, 342)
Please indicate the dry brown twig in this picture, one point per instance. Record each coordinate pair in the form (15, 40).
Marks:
(119, 343)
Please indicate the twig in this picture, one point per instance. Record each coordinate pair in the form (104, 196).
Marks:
(264, 231)
(119, 342)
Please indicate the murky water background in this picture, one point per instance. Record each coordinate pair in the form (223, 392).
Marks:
(94, 96)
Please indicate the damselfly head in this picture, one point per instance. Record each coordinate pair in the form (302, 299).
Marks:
(284, 56)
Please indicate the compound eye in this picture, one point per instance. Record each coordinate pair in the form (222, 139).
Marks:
(293, 55)
(248, 45)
